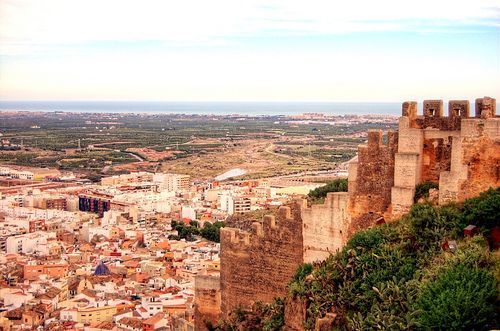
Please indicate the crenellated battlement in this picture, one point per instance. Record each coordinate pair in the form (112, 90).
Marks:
(431, 149)
(235, 236)
(375, 142)
(256, 265)
(433, 108)
(484, 108)
(458, 108)
(270, 228)
(433, 113)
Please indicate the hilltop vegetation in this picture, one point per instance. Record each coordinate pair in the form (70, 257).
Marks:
(418, 273)
(318, 195)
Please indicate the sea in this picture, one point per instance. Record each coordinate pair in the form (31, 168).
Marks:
(206, 108)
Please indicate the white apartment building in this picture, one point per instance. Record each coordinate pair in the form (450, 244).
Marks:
(188, 212)
(172, 182)
(232, 204)
(133, 177)
(29, 243)
(18, 174)
(14, 297)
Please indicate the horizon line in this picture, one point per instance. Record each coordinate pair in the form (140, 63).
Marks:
(237, 101)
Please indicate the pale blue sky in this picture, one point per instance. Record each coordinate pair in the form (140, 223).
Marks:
(230, 50)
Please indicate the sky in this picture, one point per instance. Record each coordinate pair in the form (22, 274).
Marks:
(269, 50)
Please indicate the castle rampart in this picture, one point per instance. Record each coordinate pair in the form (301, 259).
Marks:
(324, 226)
(257, 265)
(475, 160)
(369, 193)
(428, 147)
(207, 302)
(436, 142)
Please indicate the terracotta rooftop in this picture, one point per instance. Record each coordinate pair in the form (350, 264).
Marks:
(105, 325)
(155, 319)
(131, 321)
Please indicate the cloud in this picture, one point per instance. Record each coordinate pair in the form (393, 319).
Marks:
(170, 50)
(33, 25)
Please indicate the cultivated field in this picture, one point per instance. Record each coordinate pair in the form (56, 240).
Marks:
(96, 145)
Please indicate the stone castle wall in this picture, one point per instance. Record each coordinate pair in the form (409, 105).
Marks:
(457, 151)
(434, 148)
(324, 225)
(475, 159)
(481, 155)
(371, 178)
(257, 265)
(207, 301)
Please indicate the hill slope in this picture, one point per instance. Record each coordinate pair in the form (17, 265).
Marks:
(420, 272)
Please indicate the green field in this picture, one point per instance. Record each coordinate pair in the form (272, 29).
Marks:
(51, 139)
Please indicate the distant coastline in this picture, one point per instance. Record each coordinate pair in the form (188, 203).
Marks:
(207, 108)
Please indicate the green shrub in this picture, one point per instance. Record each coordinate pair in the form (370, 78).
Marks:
(426, 226)
(431, 225)
(484, 210)
(460, 298)
(391, 309)
(297, 286)
(337, 185)
(372, 238)
(262, 316)
(472, 253)
(302, 271)
(422, 190)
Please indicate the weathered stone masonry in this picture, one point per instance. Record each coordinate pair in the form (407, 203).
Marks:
(324, 226)
(475, 158)
(371, 179)
(257, 266)
(458, 152)
(207, 301)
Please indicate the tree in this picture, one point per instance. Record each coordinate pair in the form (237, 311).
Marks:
(212, 231)
(337, 185)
